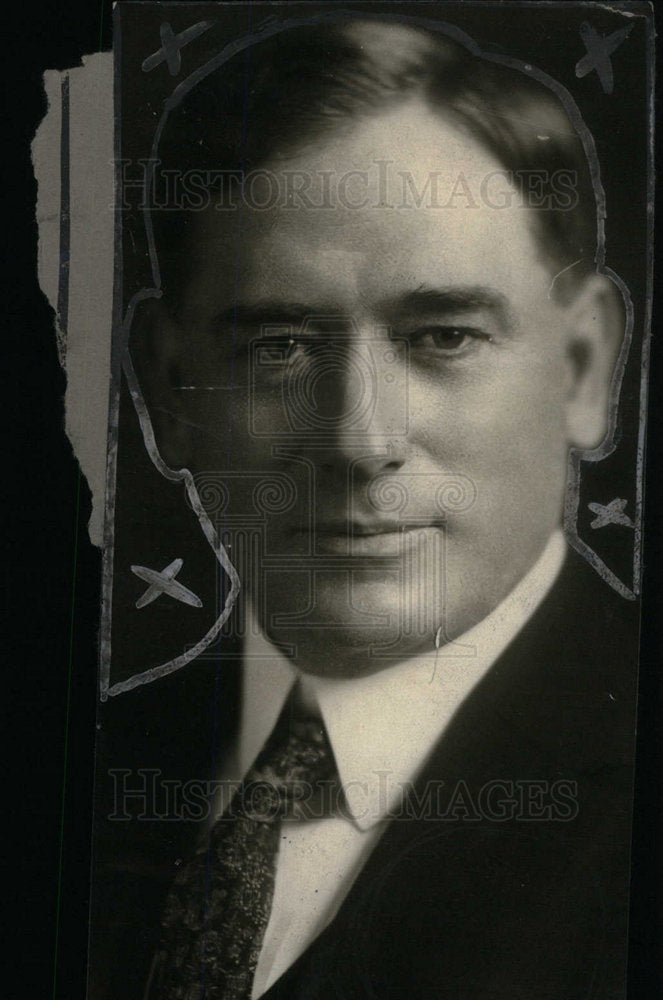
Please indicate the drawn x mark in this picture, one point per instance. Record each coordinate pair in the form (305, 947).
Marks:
(164, 583)
(612, 513)
(599, 49)
(171, 46)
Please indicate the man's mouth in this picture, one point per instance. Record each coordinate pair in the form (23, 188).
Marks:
(381, 538)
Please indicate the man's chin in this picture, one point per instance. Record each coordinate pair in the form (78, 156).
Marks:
(349, 653)
(350, 631)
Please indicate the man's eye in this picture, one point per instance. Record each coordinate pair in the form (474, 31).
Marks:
(446, 339)
(277, 350)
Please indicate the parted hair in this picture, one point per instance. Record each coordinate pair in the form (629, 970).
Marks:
(278, 96)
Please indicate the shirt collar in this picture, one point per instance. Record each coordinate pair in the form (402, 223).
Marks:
(383, 727)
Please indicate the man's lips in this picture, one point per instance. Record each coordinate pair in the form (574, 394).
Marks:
(358, 528)
(384, 538)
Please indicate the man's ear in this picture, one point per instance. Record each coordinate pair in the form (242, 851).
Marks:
(595, 331)
(156, 346)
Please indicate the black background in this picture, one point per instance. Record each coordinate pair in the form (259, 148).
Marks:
(52, 578)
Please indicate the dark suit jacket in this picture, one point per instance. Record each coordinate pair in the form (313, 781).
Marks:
(467, 896)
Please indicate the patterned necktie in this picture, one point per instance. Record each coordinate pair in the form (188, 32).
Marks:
(217, 910)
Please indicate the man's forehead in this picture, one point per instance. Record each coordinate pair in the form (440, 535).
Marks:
(411, 134)
(399, 200)
(306, 257)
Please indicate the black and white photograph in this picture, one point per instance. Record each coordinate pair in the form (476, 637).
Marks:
(353, 303)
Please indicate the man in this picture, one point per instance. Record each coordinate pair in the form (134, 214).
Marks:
(394, 318)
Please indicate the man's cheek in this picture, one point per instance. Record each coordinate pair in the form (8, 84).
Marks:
(512, 463)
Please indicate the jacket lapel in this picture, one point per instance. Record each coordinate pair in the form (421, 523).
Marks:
(494, 881)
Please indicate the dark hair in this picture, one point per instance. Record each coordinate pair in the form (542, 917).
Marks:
(279, 95)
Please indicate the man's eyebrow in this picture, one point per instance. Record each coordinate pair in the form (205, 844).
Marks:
(425, 301)
(267, 313)
(420, 302)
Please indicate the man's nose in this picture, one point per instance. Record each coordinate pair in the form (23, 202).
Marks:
(358, 393)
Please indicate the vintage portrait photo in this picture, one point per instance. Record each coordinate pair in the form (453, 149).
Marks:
(368, 487)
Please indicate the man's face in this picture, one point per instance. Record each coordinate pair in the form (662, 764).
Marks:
(413, 396)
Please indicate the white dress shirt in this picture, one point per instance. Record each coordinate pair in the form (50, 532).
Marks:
(382, 728)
